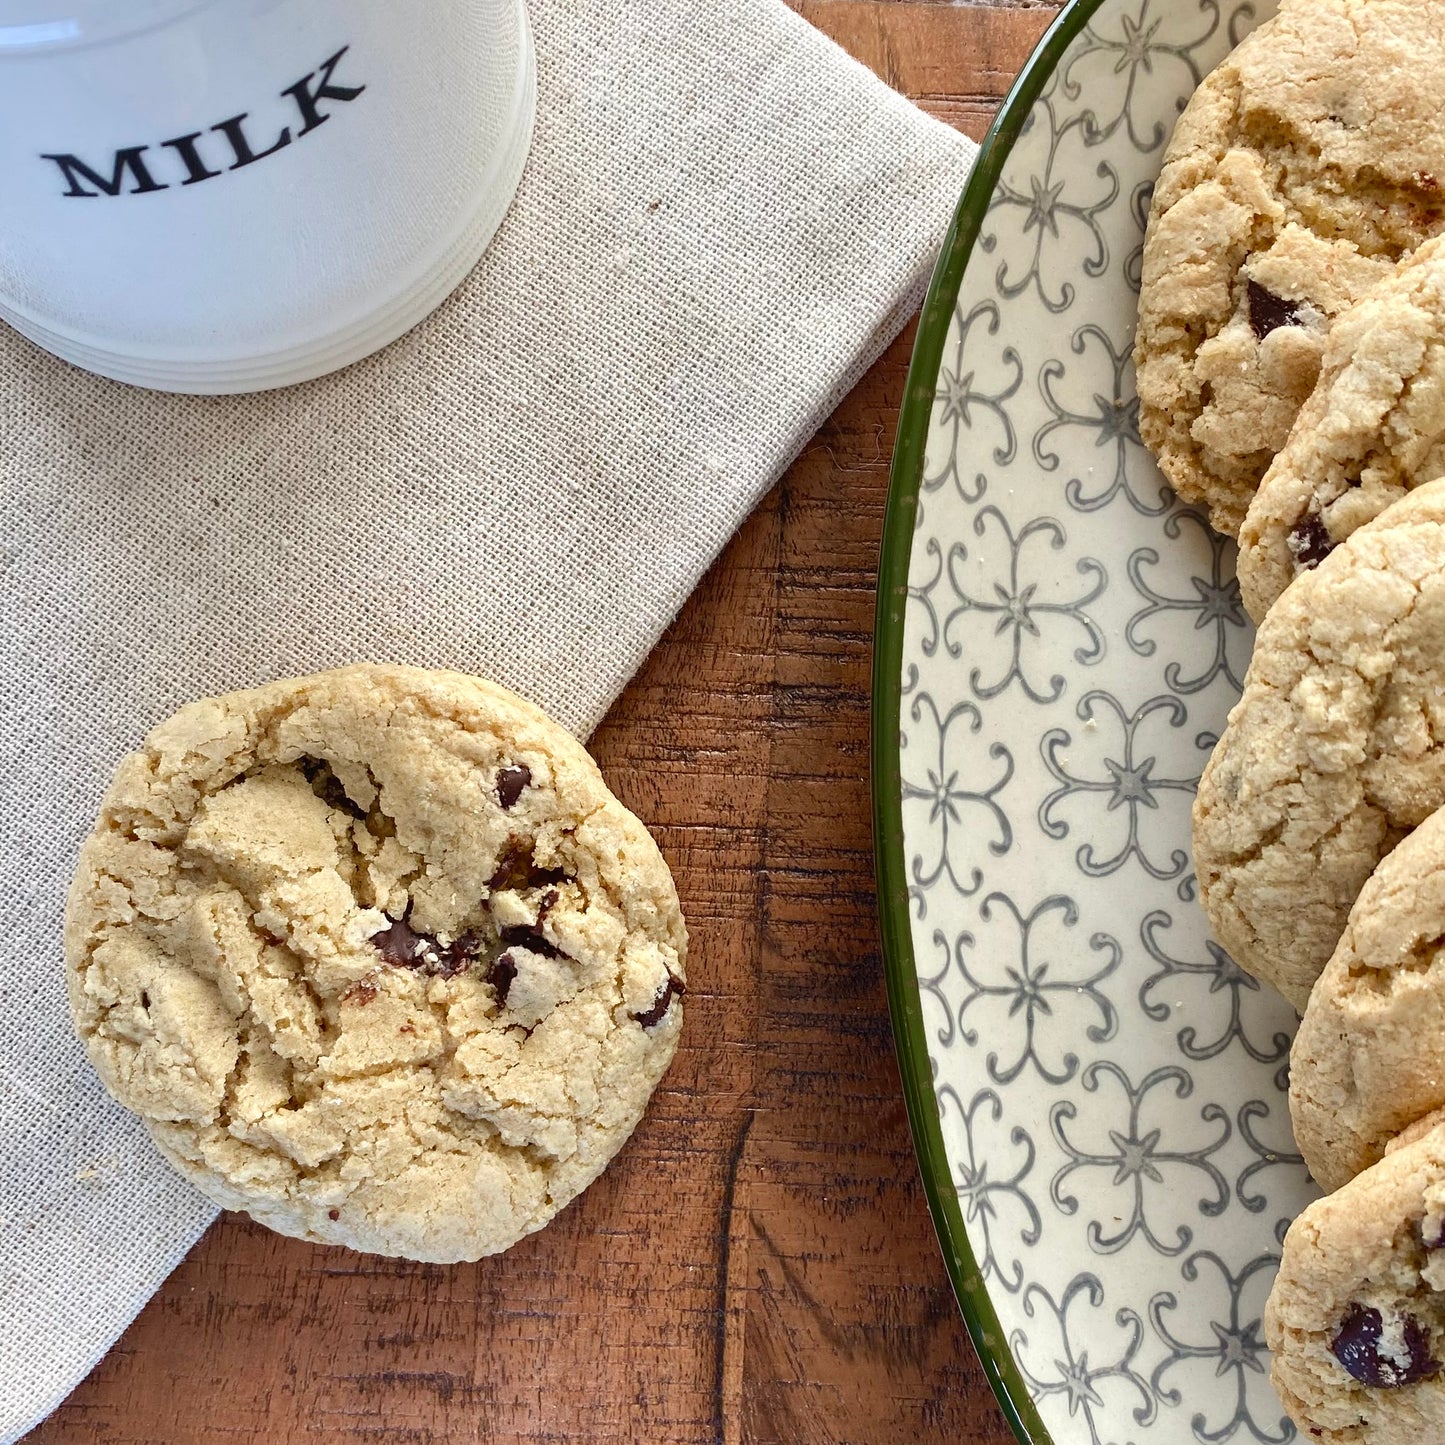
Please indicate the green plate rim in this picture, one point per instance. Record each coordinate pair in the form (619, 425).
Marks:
(895, 551)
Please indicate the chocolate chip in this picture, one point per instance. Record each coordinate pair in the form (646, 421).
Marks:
(548, 903)
(519, 935)
(1358, 1347)
(327, 786)
(510, 782)
(333, 1214)
(501, 976)
(1268, 312)
(517, 868)
(1310, 541)
(459, 955)
(673, 988)
(511, 870)
(403, 946)
(145, 999)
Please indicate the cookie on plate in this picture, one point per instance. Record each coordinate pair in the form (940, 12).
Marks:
(1335, 750)
(1356, 1318)
(1369, 1058)
(377, 958)
(1303, 167)
(1373, 427)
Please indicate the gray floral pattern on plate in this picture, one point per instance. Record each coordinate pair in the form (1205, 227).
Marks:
(1110, 1085)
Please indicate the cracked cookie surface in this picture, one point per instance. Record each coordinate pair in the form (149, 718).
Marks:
(1335, 750)
(1356, 1318)
(1366, 1060)
(377, 958)
(1303, 167)
(1373, 428)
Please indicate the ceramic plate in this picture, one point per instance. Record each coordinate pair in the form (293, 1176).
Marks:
(1096, 1090)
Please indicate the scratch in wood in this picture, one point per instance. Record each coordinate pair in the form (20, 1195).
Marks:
(735, 1158)
(442, 1383)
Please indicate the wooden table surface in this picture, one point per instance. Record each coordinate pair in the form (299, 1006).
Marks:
(758, 1265)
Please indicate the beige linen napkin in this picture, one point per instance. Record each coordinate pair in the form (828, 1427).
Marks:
(724, 219)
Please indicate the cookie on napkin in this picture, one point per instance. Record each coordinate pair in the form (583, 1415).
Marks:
(377, 958)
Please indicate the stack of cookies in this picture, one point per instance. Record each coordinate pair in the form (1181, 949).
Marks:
(1291, 362)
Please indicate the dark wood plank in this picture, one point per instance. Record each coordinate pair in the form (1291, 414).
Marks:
(956, 61)
(758, 1266)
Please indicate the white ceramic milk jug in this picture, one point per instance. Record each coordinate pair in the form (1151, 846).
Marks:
(230, 195)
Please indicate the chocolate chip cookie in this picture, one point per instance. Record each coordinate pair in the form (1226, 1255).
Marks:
(1356, 1319)
(1367, 1061)
(377, 958)
(1373, 427)
(1302, 169)
(1335, 750)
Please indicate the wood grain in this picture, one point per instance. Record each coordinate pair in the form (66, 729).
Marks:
(758, 1266)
